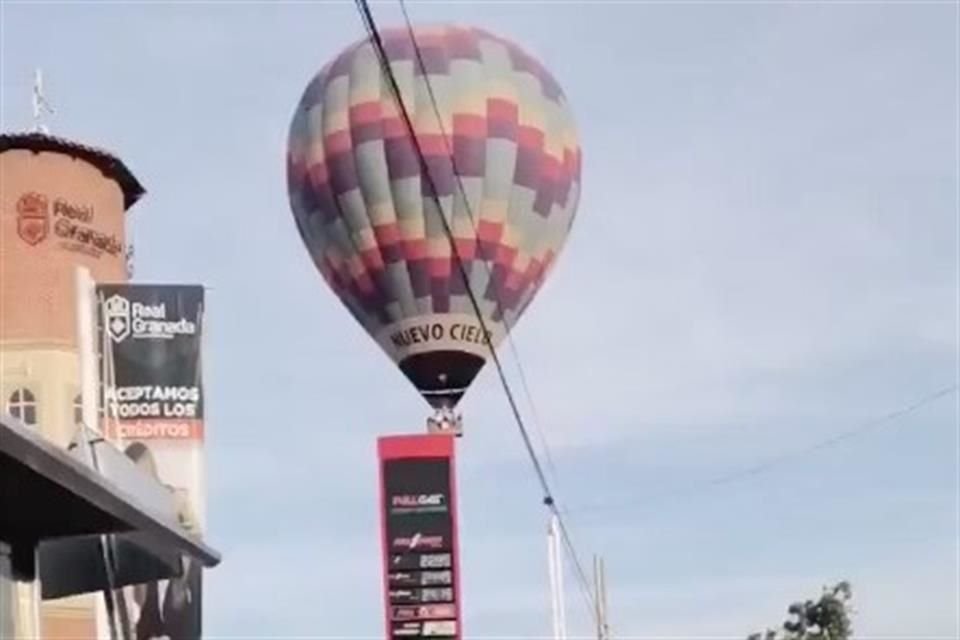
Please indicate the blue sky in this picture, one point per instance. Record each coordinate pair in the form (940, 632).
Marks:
(765, 256)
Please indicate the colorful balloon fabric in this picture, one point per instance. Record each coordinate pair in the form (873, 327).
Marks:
(502, 166)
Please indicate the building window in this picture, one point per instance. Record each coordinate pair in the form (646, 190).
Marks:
(22, 405)
(77, 409)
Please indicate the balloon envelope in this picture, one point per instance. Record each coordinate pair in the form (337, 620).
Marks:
(502, 165)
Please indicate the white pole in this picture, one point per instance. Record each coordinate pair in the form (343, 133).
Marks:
(89, 428)
(600, 594)
(551, 565)
(555, 563)
(603, 589)
(597, 609)
(36, 594)
(561, 593)
(86, 349)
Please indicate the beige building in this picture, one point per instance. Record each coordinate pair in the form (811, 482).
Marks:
(62, 205)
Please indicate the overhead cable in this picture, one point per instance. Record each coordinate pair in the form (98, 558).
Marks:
(776, 460)
(548, 497)
(497, 293)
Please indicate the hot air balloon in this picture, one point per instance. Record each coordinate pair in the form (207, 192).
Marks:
(501, 164)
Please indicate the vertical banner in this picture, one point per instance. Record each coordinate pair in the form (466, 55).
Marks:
(150, 339)
(418, 517)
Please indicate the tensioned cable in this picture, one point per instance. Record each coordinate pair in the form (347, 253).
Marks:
(498, 294)
(548, 498)
(774, 461)
(565, 534)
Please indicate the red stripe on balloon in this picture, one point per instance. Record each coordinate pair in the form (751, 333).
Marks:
(365, 112)
(550, 168)
(505, 255)
(530, 137)
(433, 144)
(337, 142)
(489, 231)
(415, 249)
(387, 234)
(372, 259)
(500, 109)
(469, 125)
(466, 248)
(394, 128)
(462, 43)
(440, 267)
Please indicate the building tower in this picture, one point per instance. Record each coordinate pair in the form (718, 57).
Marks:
(62, 205)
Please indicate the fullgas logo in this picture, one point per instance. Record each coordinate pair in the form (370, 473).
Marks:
(125, 319)
(418, 503)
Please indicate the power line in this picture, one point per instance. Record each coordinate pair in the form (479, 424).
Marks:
(548, 498)
(774, 461)
(498, 294)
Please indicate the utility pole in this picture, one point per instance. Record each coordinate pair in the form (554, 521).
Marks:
(600, 598)
(90, 430)
(555, 563)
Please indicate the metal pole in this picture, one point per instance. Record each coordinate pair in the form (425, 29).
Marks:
(89, 377)
(602, 599)
(557, 595)
(597, 609)
(558, 562)
(86, 351)
(556, 587)
(556, 604)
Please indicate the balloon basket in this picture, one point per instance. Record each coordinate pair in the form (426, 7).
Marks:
(445, 422)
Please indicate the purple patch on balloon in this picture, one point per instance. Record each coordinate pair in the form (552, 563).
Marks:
(545, 198)
(434, 61)
(440, 293)
(343, 172)
(504, 129)
(391, 253)
(470, 155)
(441, 179)
(401, 158)
(419, 277)
(462, 44)
(365, 132)
(398, 47)
(325, 201)
(527, 171)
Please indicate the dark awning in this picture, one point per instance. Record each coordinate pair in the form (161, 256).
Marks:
(45, 494)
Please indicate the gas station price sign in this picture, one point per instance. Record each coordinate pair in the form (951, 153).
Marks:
(418, 521)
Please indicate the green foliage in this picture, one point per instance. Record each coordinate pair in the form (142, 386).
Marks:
(826, 619)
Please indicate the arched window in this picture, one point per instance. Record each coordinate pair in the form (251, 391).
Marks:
(22, 405)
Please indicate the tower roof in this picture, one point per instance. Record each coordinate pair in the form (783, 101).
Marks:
(110, 165)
